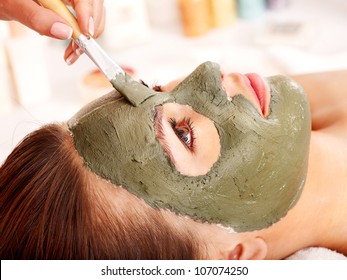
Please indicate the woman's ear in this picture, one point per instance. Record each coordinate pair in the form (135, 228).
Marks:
(249, 249)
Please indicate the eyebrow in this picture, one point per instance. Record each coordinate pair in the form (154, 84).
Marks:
(158, 125)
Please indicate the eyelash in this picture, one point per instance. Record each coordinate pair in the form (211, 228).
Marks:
(155, 87)
(186, 127)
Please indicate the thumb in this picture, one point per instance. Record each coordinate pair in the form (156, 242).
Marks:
(43, 21)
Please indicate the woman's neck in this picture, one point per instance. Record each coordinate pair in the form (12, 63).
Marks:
(327, 185)
(319, 217)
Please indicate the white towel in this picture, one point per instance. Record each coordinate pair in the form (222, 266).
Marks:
(316, 253)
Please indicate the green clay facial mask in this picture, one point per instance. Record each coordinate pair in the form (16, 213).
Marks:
(262, 165)
(132, 90)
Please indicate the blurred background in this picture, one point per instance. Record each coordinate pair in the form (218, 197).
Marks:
(158, 41)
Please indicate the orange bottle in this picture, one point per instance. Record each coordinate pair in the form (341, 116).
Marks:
(195, 15)
(223, 12)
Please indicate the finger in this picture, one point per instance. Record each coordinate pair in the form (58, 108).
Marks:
(72, 58)
(72, 53)
(69, 3)
(100, 17)
(84, 13)
(68, 51)
(42, 20)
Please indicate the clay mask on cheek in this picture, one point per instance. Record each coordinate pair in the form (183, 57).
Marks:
(258, 177)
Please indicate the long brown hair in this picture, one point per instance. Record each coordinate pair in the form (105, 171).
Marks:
(52, 207)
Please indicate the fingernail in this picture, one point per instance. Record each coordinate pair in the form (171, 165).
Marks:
(91, 26)
(71, 58)
(61, 31)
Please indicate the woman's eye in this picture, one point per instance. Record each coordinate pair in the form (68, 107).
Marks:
(183, 130)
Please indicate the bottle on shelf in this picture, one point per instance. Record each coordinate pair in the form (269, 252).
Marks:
(195, 16)
(223, 12)
(249, 9)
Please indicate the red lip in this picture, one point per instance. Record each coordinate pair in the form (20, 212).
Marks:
(261, 90)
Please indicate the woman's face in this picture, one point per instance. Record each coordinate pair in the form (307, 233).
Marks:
(229, 149)
(192, 143)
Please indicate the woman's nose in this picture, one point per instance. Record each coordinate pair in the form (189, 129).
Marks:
(238, 84)
(232, 84)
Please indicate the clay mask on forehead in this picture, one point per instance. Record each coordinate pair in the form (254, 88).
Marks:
(262, 165)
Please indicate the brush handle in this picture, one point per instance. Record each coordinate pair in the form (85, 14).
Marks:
(60, 8)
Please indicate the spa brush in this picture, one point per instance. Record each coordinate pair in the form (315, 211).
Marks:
(93, 50)
(132, 90)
